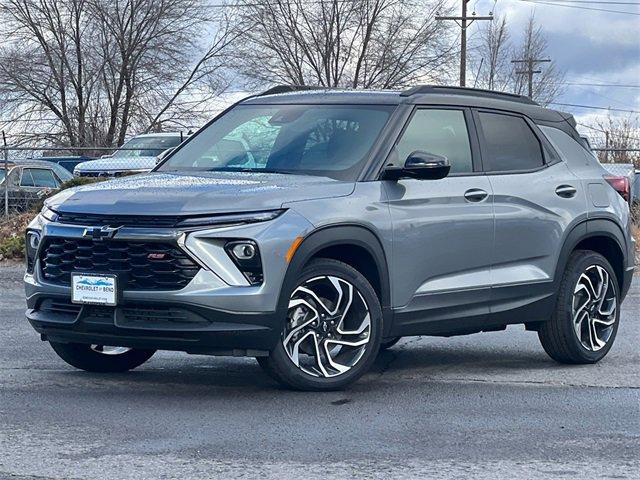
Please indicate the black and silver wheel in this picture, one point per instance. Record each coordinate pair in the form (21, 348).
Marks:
(101, 358)
(332, 331)
(585, 322)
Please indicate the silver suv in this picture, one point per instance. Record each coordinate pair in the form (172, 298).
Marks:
(310, 229)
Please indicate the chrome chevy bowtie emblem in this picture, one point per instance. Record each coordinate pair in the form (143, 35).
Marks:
(100, 233)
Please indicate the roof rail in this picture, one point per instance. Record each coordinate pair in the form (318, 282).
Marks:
(475, 92)
(289, 88)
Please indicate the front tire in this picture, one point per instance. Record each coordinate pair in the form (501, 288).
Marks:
(332, 332)
(100, 358)
(387, 344)
(585, 322)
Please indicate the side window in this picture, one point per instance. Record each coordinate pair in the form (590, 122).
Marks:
(510, 144)
(26, 180)
(43, 177)
(442, 132)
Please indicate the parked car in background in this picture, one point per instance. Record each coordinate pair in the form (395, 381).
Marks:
(635, 192)
(29, 180)
(138, 155)
(68, 162)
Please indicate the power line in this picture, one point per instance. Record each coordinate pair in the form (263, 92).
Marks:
(606, 131)
(596, 2)
(540, 2)
(279, 2)
(594, 107)
(579, 84)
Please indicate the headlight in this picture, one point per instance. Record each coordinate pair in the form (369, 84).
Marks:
(246, 256)
(230, 219)
(32, 242)
(49, 214)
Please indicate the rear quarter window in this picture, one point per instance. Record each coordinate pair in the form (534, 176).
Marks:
(572, 152)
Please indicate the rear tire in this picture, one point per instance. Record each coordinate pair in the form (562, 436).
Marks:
(332, 332)
(91, 359)
(585, 321)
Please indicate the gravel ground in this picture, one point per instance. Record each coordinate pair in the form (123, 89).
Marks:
(484, 406)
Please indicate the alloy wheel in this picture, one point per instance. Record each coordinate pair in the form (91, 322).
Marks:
(328, 326)
(594, 308)
(109, 350)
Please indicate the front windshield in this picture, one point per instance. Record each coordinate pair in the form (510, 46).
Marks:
(323, 140)
(146, 146)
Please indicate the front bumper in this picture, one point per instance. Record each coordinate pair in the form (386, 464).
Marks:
(218, 312)
(159, 325)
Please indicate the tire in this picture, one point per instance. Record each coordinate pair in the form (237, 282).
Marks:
(387, 344)
(329, 323)
(583, 340)
(91, 359)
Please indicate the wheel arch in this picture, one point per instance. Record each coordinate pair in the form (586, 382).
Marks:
(353, 244)
(599, 235)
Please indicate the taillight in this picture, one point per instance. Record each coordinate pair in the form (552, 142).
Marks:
(620, 184)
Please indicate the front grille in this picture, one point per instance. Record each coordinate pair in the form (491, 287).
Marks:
(140, 221)
(138, 265)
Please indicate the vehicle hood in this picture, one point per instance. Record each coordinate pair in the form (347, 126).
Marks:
(117, 164)
(160, 193)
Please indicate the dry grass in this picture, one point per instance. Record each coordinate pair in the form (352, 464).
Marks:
(635, 231)
(12, 235)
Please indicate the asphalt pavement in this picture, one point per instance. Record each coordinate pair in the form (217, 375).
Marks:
(485, 406)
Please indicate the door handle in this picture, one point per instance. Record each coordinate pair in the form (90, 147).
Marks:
(475, 195)
(566, 191)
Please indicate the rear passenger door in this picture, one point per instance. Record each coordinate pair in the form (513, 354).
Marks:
(536, 197)
(442, 229)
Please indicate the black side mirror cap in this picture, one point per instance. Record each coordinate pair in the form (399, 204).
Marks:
(420, 165)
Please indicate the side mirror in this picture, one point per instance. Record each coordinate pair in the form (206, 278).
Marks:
(421, 165)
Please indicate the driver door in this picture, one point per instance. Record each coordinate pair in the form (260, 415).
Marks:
(443, 230)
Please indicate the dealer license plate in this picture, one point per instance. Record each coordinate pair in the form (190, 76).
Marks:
(93, 289)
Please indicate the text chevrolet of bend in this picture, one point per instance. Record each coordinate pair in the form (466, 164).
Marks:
(312, 228)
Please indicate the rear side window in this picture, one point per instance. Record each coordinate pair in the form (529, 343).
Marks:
(38, 177)
(509, 144)
(26, 180)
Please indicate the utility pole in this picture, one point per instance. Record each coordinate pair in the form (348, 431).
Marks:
(462, 23)
(529, 72)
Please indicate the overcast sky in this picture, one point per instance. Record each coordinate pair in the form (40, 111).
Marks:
(590, 46)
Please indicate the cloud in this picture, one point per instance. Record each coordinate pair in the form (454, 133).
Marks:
(590, 46)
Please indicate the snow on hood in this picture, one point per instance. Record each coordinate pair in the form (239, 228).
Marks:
(159, 193)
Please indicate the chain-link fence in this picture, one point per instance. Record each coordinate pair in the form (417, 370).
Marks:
(28, 175)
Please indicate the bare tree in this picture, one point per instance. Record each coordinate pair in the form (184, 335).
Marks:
(493, 54)
(356, 43)
(547, 85)
(98, 68)
(622, 136)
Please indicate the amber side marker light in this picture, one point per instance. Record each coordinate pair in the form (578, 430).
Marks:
(292, 248)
